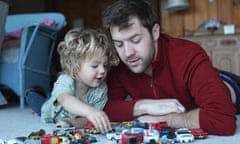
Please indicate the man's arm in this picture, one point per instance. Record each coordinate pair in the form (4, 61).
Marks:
(120, 110)
(178, 120)
(213, 122)
(157, 107)
(169, 110)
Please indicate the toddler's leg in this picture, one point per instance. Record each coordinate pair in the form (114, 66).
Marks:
(35, 101)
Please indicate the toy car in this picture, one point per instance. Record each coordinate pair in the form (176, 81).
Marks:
(127, 124)
(165, 131)
(89, 125)
(130, 138)
(140, 124)
(159, 126)
(151, 136)
(49, 139)
(17, 140)
(62, 130)
(114, 136)
(90, 129)
(198, 133)
(184, 135)
(3, 141)
(118, 126)
(37, 133)
(88, 138)
(167, 135)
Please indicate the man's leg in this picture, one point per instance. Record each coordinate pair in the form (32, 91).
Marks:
(233, 83)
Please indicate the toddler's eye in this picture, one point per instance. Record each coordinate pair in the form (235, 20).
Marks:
(94, 66)
(105, 65)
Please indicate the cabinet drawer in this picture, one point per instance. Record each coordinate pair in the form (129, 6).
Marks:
(216, 41)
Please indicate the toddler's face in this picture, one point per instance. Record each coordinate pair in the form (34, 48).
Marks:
(94, 71)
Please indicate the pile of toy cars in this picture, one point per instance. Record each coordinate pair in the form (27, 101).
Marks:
(60, 135)
(132, 132)
(138, 132)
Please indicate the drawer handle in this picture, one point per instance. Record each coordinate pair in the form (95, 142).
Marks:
(211, 43)
(228, 42)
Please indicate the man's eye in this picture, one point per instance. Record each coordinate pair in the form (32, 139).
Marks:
(136, 40)
(118, 45)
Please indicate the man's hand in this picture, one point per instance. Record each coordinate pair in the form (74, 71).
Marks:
(157, 107)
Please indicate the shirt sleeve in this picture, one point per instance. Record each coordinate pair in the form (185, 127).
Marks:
(51, 108)
(64, 84)
(214, 101)
(217, 112)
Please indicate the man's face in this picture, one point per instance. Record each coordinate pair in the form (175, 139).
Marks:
(135, 46)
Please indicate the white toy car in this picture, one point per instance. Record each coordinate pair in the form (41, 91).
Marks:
(113, 136)
(184, 136)
(151, 135)
(3, 141)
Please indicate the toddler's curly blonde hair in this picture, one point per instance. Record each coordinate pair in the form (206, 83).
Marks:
(83, 45)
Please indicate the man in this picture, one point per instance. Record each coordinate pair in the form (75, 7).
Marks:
(168, 79)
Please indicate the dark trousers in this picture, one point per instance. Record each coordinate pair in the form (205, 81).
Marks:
(35, 101)
(234, 81)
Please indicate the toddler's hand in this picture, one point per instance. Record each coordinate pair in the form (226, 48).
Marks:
(100, 120)
(62, 124)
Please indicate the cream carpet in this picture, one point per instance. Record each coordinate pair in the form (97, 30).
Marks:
(15, 122)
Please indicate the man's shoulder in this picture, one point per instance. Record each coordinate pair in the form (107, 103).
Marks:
(183, 54)
(179, 43)
(181, 49)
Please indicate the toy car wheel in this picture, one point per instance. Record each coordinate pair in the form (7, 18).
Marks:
(112, 139)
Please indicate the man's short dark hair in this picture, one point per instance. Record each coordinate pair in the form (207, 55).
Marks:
(119, 13)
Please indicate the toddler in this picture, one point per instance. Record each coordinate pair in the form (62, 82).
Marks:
(80, 92)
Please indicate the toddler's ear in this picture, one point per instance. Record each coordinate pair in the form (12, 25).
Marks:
(76, 70)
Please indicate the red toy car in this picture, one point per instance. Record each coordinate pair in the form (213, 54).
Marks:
(159, 126)
(90, 129)
(49, 139)
(198, 133)
(88, 125)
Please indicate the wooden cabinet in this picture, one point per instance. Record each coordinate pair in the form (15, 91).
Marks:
(223, 50)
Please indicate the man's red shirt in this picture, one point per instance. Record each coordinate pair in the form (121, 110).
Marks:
(182, 71)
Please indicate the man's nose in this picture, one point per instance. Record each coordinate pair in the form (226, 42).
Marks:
(128, 50)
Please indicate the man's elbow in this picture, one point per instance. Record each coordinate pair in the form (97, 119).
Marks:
(228, 129)
(223, 128)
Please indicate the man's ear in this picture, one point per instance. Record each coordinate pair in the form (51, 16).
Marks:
(156, 31)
